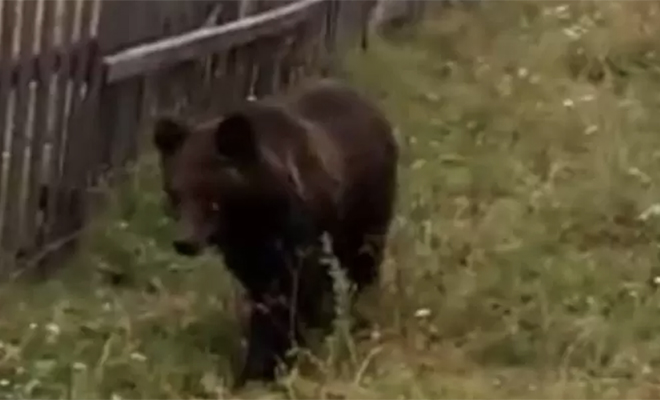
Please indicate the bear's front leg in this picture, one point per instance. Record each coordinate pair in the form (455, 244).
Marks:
(270, 337)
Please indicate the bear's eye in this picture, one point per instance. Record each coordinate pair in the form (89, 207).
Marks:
(215, 206)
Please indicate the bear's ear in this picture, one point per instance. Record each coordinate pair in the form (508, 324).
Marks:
(234, 138)
(169, 135)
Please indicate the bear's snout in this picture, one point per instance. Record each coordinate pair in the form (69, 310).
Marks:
(187, 247)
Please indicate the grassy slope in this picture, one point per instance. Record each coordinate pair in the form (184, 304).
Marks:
(530, 151)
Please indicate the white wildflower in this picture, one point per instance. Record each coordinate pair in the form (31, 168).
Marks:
(587, 98)
(423, 313)
(418, 164)
(640, 175)
(135, 356)
(561, 10)
(574, 32)
(647, 369)
(53, 328)
(652, 211)
(432, 97)
(591, 129)
(78, 366)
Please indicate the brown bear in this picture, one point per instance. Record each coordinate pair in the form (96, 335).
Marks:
(264, 183)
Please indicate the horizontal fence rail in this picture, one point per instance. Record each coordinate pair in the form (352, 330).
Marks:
(149, 57)
(80, 79)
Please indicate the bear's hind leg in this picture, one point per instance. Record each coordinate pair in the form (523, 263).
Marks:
(361, 255)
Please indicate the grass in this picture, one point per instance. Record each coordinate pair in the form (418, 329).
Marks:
(524, 261)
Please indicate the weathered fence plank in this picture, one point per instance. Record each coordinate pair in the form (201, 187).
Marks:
(73, 168)
(54, 202)
(89, 112)
(268, 51)
(120, 103)
(9, 15)
(42, 102)
(12, 235)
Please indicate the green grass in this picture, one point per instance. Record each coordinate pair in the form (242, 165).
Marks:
(523, 262)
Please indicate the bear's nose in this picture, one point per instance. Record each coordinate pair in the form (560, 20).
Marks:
(186, 248)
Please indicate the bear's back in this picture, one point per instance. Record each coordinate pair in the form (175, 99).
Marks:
(340, 110)
(359, 139)
(352, 123)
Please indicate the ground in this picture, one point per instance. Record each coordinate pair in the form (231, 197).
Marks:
(523, 263)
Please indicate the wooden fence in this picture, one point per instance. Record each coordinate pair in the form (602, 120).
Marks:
(79, 79)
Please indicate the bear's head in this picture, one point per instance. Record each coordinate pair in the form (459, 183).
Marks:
(249, 161)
